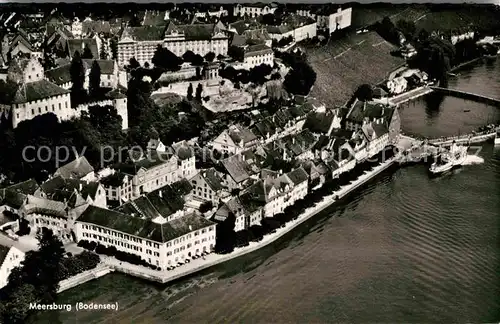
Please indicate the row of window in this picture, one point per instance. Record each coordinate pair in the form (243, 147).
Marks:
(119, 235)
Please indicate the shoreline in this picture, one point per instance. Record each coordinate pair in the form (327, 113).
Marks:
(213, 259)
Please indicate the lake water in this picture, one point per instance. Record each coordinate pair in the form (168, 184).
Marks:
(404, 248)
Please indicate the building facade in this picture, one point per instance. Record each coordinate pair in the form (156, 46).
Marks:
(254, 10)
(10, 257)
(160, 243)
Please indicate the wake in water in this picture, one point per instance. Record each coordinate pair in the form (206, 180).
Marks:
(473, 159)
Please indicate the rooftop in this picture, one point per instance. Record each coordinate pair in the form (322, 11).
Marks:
(37, 90)
(144, 228)
(75, 169)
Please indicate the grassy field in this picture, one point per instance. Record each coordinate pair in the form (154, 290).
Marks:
(343, 65)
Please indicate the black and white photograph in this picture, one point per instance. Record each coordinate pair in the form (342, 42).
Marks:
(249, 162)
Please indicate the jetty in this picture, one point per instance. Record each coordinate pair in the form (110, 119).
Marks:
(467, 95)
(464, 139)
(410, 95)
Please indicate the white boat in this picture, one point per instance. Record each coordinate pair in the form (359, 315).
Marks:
(455, 157)
(497, 137)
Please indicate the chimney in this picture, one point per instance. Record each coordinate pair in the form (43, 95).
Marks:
(293, 140)
(80, 187)
(160, 193)
(190, 227)
(364, 105)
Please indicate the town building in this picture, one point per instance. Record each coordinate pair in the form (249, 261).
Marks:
(254, 9)
(297, 27)
(198, 38)
(240, 169)
(235, 140)
(79, 168)
(169, 202)
(186, 158)
(118, 187)
(10, 257)
(35, 95)
(68, 190)
(208, 186)
(256, 55)
(362, 113)
(276, 193)
(151, 172)
(233, 208)
(377, 136)
(141, 42)
(329, 18)
(157, 241)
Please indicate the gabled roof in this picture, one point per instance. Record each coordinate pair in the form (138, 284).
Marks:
(151, 160)
(144, 33)
(11, 198)
(259, 49)
(193, 32)
(144, 228)
(114, 180)
(59, 75)
(37, 90)
(237, 168)
(44, 206)
(28, 187)
(54, 186)
(239, 134)
(95, 26)
(80, 44)
(212, 179)
(107, 66)
(298, 176)
(370, 110)
(75, 169)
(233, 206)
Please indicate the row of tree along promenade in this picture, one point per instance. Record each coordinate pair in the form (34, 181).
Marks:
(331, 192)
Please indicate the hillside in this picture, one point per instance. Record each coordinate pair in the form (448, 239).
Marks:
(343, 65)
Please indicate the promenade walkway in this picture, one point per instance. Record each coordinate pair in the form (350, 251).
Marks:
(165, 276)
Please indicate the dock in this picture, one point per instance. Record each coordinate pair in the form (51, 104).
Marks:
(467, 95)
(410, 95)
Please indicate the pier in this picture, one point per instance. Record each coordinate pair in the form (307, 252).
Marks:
(410, 95)
(467, 95)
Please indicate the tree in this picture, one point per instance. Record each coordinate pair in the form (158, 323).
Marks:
(17, 306)
(165, 59)
(210, 57)
(364, 92)
(300, 79)
(206, 206)
(190, 92)
(95, 78)
(188, 56)
(133, 63)
(236, 53)
(220, 57)
(197, 60)
(87, 53)
(77, 74)
(199, 90)
(113, 44)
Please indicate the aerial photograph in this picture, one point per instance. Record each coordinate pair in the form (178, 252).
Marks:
(249, 162)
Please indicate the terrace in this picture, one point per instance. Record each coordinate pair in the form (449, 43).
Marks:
(343, 65)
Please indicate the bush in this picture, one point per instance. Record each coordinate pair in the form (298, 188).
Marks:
(75, 264)
(206, 206)
(24, 227)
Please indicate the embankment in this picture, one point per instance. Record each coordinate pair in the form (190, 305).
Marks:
(214, 259)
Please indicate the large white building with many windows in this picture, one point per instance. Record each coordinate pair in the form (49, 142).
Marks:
(157, 241)
(142, 42)
(254, 9)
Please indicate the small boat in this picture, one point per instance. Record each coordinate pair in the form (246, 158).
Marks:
(466, 110)
(497, 137)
